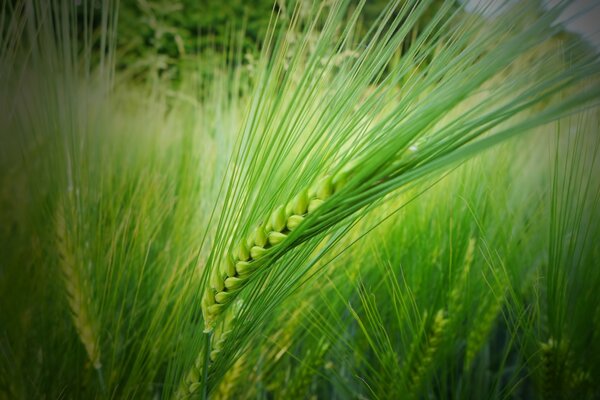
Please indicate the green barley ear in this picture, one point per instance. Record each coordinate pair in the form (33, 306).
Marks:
(457, 293)
(192, 382)
(560, 377)
(580, 384)
(410, 140)
(479, 333)
(229, 386)
(422, 354)
(552, 369)
(78, 294)
(240, 266)
(485, 318)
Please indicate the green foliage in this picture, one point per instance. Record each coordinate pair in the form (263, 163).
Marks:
(165, 37)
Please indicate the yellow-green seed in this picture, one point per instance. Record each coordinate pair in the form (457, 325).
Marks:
(243, 253)
(194, 387)
(245, 268)
(293, 221)
(325, 188)
(276, 238)
(233, 282)
(314, 204)
(249, 241)
(223, 297)
(300, 203)
(214, 309)
(339, 180)
(260, 237)
(278, 219)
(216, 280)
(229, 266)
(289, 209)
(209, 298)
(194, 376)
(257, 252)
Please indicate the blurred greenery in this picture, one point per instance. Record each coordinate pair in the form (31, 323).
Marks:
(163, 34)
(161, 39)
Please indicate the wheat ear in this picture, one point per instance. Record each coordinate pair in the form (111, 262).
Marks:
(77, 292)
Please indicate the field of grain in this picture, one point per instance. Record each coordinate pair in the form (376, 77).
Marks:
(330, 203)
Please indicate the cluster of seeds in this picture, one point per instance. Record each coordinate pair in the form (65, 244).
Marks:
(239, 267)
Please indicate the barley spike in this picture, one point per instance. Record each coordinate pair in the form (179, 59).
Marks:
(247, 258)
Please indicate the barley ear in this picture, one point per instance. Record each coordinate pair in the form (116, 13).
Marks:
(228, 387)
(78, 295)
(422, 355)
(557, 370)
(247, 258)
(457, 293)
(480, 331)
(192, 381)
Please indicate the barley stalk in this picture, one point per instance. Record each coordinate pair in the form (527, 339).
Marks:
(77, 292)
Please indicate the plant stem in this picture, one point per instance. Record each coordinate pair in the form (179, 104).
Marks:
(207, 338)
